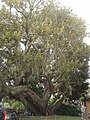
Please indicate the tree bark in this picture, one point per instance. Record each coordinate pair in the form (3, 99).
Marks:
(32, 101)
(29, 98)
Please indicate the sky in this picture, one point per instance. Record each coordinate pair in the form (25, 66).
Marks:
(82, 9)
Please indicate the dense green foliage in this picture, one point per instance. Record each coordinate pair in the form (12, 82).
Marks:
(43, 59)
(18, 105)
(69, 109)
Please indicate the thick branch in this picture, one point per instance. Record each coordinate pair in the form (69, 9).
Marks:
(56, 105)
(48, 90)
(28, 103)
(23, 89)
(46, 95)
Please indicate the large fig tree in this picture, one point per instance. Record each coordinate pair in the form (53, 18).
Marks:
(42, 54)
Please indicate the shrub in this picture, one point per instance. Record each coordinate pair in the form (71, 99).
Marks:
(70, 110)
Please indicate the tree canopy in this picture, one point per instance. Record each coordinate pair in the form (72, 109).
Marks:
(42, 55)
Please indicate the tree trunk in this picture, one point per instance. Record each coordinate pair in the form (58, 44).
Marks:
(37, 105)
(29, 98)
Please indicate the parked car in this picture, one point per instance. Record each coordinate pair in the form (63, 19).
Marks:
(8, 114)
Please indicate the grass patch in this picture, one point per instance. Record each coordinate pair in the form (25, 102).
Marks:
(51, 118)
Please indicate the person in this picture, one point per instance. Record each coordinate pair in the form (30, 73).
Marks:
(83, 100)
(83, 111)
